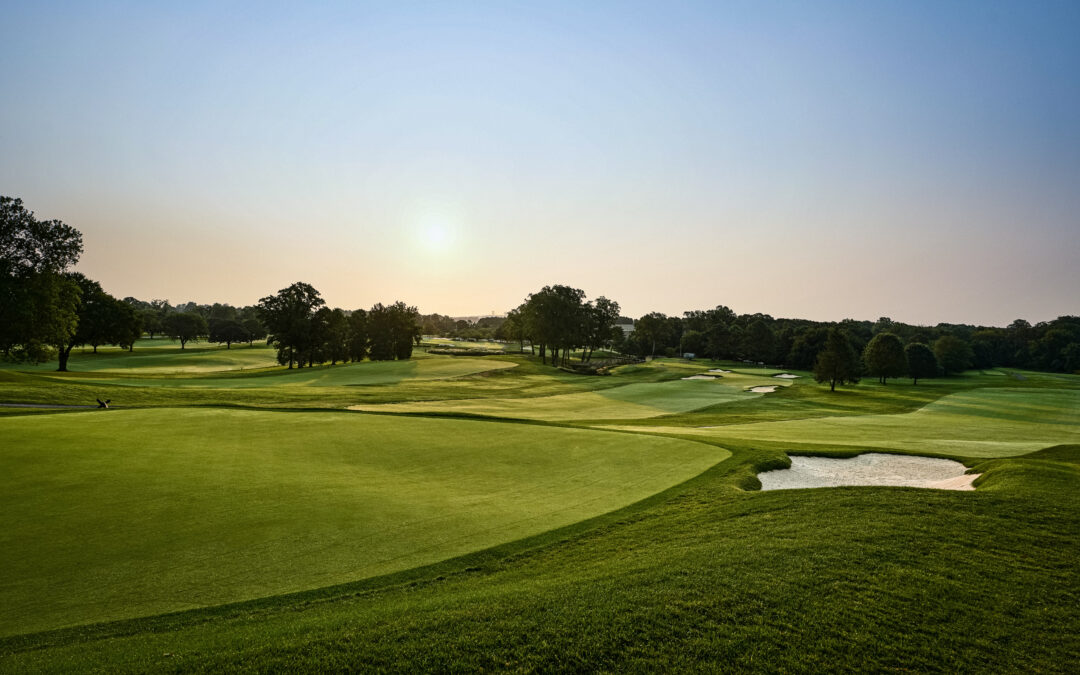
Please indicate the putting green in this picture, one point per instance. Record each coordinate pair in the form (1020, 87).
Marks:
(631, 401)
(107, 515)
(987, 422)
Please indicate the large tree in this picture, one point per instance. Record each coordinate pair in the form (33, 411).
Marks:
(185, 327)
(287, 317)
(921, 362)
(38, 302)
(884, 357)
(837, 363)
(651, 330)
(390, 330)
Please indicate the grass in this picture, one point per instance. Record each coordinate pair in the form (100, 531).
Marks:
(706, 578)
(328, 540)
(140, 512)
(986, 422)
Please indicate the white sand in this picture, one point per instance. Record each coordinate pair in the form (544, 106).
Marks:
(763, 390)
(719, 370)
(699, 377)
(870, 469)
(787, 376)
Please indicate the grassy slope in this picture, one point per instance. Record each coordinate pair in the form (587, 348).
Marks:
(143, 511)
(701, 577)
(706, 577)
(988, 422)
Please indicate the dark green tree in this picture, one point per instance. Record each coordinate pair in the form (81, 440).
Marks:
(185, 327)
(953, 354)
(884, 357)
(287, 317)
(921, 362)
(38, 302)
(837, 363)
(227, 331)
(358, 335)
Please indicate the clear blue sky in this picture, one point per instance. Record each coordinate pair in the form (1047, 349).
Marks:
(919, 160)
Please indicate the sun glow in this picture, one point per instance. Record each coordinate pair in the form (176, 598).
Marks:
(436, 236)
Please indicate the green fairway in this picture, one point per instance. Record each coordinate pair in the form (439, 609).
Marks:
(161, 356)
(346, 374)
(116, 514)
(630, 401)
(985, 422)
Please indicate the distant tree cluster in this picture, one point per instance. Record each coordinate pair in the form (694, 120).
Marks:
(306, 332)
(483, 328)
(797, 343)
(558, 321)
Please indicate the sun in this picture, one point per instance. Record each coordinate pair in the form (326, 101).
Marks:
(436, 236)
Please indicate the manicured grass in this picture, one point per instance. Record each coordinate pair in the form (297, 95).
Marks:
(631, 401)
(116, 514)
(129, 513)
(986, 422)
(705, 578)
(162, 356)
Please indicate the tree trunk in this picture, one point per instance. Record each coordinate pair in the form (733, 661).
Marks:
(832, 384)
(64, 353)
(183, 341)
(95, 349)
(228, 345)
(131, 347)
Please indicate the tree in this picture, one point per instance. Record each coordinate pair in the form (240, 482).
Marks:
(358, 335)
(185, 327)
(287, 317)
(759, 341)
(652, 329)
(599, 317)
(953, 354)
(921, 362)
(884, 357)
(86, 296)
(38, 303)
(228, 331)
(390, 330)
(838, 362)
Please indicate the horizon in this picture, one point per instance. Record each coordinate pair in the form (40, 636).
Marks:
(917, 162)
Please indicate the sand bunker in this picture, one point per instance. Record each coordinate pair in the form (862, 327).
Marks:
(763, 390)
(700, 377)
(787, 376)
(719, 370)
(870, 469)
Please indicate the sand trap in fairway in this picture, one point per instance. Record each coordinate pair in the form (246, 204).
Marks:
(719, 370)
(763, 390)
(787, 376)
(700, 377)
(870, 469)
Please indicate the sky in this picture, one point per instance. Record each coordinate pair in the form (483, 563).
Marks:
(912, 159)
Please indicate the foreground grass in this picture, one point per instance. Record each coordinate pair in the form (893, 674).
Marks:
(120, 513)
(706, 578)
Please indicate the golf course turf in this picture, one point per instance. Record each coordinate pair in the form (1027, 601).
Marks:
(222, 519)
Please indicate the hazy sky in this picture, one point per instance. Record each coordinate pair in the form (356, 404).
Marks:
(918, 160)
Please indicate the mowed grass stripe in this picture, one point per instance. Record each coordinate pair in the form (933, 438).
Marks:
(347, 374)
(979, 423)
(125, 513)
(631, 401)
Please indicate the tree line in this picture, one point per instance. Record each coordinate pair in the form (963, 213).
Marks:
(720, 333)
(46, 310)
